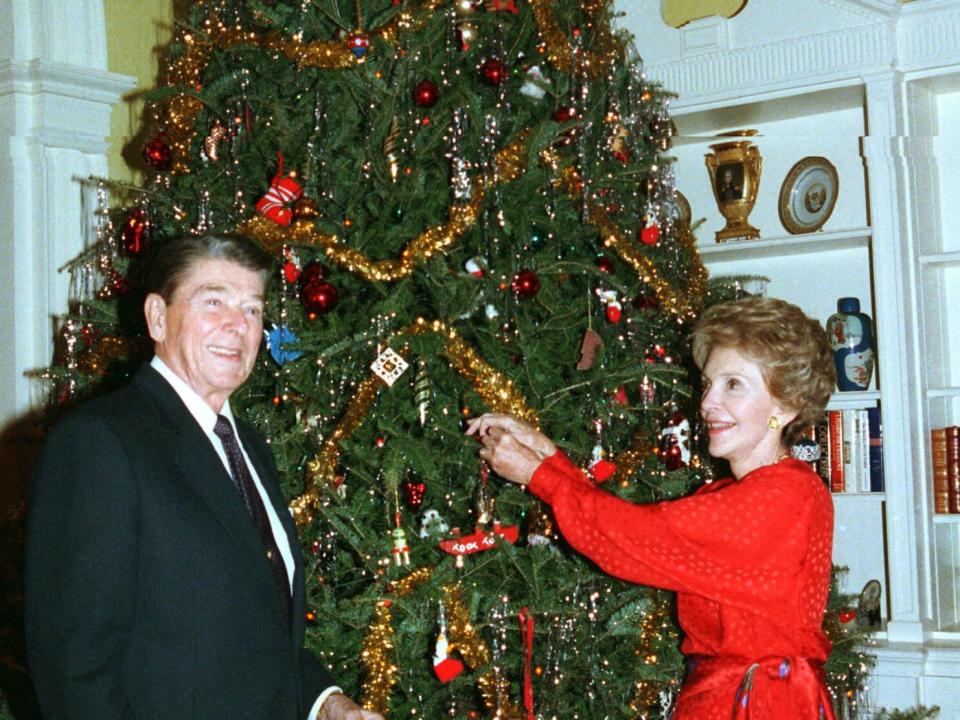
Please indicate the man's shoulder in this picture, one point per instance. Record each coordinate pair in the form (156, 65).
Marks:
(129, 405)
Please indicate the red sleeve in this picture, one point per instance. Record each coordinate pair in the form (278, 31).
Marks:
(740, 542)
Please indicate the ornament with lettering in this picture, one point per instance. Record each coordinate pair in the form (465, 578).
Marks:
(389, 366)
(480, 540)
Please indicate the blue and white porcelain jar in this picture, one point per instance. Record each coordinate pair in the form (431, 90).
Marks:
(851, 336)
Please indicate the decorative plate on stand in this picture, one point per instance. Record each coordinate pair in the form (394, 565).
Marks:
(678, 209)
(808, 195)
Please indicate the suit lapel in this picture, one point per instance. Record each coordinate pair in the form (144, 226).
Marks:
(199, 466)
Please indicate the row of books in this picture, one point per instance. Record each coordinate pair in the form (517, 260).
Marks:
(945, 444)
(850, 444)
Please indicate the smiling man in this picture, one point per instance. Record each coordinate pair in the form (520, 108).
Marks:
(163, 573)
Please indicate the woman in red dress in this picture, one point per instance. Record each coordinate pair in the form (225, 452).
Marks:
(749, 556)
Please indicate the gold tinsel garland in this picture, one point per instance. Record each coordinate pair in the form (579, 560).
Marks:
(629, 460)
(381, 673)
(379, 670)
(510, 164)
(461, 632)
(186, 70)
(495, 388)
(558, 48)
(683, 307)
(655, 623)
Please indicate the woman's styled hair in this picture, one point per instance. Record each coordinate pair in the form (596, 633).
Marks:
(174, 259)
(792, 350)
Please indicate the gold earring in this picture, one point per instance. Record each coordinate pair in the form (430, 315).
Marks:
(773, 423)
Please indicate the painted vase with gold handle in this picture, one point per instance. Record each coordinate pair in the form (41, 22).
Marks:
(735, 168)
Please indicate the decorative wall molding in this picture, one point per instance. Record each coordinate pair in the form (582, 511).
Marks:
(869, 8)
(827, 58)
(56, 99)
(928, 38)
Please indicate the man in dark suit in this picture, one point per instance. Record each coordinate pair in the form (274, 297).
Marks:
(164, 578)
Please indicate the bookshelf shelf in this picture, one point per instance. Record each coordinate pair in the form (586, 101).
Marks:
(946, 259)
(785, 245)
(853, 400)
(946, 519)
(943, 392)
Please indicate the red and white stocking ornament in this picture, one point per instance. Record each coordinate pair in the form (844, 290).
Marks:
(674, 449)
(446, 668)
(613, 309)
(600, 468)
(284, 191)
(650, 233)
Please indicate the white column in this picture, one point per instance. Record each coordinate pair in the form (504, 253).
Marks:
(896, 332)
(55, 102)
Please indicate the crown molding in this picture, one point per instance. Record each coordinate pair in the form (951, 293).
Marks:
(927, 42)
(826, 59)
(869, 8)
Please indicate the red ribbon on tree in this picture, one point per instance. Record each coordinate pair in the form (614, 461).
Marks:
(526, 634)
(284, 190)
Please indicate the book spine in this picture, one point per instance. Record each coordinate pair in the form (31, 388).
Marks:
(836, 451)
(863, 450)
(851, 482)
(953, 468)
(938, 448)
(823, 462)
(875, 432)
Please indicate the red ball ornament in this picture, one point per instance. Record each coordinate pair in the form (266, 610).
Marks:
(413, 492)
(319, 297)
(358, 43)
(605, 264)
(564, 114)
(650, 234)
(157, 154)
(426, 93)
(525, 284)
(646, 302)
(135, 238)
(312, 272)
(493, 71)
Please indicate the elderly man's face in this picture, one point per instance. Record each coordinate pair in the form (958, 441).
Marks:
(210, 332)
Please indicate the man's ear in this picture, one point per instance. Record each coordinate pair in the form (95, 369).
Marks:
(155, 312)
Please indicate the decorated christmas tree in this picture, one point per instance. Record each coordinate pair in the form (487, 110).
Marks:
(472, 210)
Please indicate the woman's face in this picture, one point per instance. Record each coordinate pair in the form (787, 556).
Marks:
(736, 408)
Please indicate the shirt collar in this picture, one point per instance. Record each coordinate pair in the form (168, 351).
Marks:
(202, 413)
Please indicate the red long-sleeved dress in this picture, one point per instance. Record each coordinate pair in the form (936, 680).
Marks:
(750, 561)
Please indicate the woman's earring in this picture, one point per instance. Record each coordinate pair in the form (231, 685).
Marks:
(773, 423)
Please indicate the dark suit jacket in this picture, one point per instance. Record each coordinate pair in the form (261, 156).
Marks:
(148, 593)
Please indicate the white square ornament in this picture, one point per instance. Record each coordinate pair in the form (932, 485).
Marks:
(389, 366)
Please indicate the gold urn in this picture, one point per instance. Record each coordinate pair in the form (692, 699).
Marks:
(735, 167)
